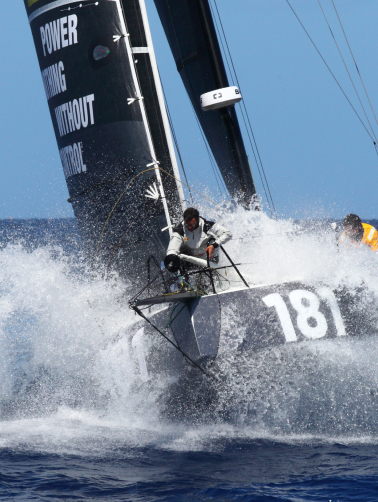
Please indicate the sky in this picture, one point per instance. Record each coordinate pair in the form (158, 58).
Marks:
(318, 158)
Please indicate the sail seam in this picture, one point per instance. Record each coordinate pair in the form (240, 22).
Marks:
(189, 58)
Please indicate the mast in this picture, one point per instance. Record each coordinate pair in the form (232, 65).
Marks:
(148, 82)
(111, 127)
(140, 102)
(190, 31)
(215, 55)
(159, 91)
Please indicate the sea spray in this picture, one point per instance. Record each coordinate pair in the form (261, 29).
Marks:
(68, 362)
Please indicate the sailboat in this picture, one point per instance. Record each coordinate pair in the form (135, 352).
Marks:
(107, 108)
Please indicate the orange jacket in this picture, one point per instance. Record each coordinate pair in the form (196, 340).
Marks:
(370, 237)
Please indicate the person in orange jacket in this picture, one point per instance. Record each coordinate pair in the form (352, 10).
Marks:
(358, 232)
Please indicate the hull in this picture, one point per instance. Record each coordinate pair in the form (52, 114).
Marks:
(245, 321)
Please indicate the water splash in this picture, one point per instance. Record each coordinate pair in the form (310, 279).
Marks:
(70, 372)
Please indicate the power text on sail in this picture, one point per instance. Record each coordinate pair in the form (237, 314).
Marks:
(72, 159)
(54, 80)
(74, 115)
(59, 34)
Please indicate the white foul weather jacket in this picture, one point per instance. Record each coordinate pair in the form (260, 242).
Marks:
(195, 243)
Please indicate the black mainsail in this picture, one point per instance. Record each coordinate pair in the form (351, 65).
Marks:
(103, 90)
(191, 34)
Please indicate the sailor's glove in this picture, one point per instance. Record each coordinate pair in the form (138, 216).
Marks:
(211, 242)
(172, 263)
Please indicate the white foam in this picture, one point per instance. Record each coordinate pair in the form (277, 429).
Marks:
(69, 374)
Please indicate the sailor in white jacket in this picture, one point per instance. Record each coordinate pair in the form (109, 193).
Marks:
(195, 236)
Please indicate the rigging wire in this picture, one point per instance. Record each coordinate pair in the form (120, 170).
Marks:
(358, 71)
(222, 45)
(267, 189)
(139, 312)
(231, 74)
(184, 67)
(175, 140)
(258, 166)
(125, 190)
(329, 69)
(218, 178)
(346, 67)
(151, 145)
(269, 199)
(227, 56)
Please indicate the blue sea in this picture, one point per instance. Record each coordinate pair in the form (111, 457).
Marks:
(77, 423)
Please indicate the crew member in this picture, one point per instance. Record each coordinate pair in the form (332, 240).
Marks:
(358, 232)
(195, 236)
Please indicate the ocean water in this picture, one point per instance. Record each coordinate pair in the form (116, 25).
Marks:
(77, 421)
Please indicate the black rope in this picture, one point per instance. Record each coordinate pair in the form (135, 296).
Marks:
(184, 67)
(235, 267)
(210, 272)
(267, 189)
(138, 311)
(145, 287)
(152, 257)
(232, 80)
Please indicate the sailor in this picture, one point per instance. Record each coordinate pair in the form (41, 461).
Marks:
(360, 233)
(194, 236)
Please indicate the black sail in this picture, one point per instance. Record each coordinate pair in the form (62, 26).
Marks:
(191, 34)
(110, 127)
